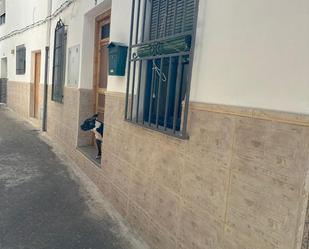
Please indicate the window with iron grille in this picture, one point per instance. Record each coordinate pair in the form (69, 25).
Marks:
(20, 60)
(160, 64)
(59, 62)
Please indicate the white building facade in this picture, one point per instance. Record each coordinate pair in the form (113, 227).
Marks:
(230, 170)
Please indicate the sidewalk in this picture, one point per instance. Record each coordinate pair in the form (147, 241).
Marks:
(44, 204)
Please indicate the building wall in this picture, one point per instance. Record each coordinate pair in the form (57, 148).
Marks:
(30, 12)
(238, 182)
(252, 54)
(18, 97)
(20, 87)
(62, 118)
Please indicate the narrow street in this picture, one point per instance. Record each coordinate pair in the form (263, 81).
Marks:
(42, 204)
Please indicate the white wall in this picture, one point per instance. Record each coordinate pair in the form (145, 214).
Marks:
(34, 39)
(87, 67)
(27, 12)
(251, 53)
(120, 32)
(80, 19)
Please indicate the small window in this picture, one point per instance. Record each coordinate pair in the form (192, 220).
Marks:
(20, 60)
(105, 30)
(59, 62)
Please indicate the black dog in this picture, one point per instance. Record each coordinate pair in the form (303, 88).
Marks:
(97, 127)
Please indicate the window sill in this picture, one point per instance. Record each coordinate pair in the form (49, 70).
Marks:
(160, 129)
(89, 152)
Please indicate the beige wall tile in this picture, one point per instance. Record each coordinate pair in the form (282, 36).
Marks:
(206, 187)
(139, 220)
(240, 173)
(168, 168)
(18, 97)
(119, 200)
(236, 183)
(140, 190)
(165, 209)
(198, 229)
(159, 238)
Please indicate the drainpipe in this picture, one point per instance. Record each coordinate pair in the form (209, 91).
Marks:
(48, 31)
(44, 119)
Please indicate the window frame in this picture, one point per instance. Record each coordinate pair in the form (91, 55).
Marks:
(140, 20)
(21, 54)
(56, 92)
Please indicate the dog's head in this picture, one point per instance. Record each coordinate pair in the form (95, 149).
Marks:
(89, 123)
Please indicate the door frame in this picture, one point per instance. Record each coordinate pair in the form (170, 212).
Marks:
(98, 42)
(36, 84)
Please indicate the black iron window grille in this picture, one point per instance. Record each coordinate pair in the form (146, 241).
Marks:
(60, 41)
(20, 60)
(160, 64)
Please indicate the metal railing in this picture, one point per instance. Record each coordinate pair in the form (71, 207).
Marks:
(161, 52)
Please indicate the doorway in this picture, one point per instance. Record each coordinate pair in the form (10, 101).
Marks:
(101, 62)
(100, 78)
(36, 90)
(3, 80)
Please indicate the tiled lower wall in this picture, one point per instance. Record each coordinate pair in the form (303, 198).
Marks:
(64, 119)
(18, 97)
(239, 182)
(86, 110)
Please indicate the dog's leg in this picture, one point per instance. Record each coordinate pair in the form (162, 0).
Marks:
(99, 146)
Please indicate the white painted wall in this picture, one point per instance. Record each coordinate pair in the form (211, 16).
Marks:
(31, 11)
(87, 67)
(28, 13)
(251, 53)
(120, 32)
(80, 21)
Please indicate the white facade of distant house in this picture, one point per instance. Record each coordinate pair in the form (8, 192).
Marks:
(31, 11)
(79, 18)
(252, 54)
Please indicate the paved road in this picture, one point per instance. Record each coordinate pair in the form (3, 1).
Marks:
(41, 205)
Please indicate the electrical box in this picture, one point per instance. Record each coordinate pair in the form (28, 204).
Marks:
(73, 66)
(117, 58)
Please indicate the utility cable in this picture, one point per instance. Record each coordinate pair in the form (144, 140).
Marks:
(59, 10)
